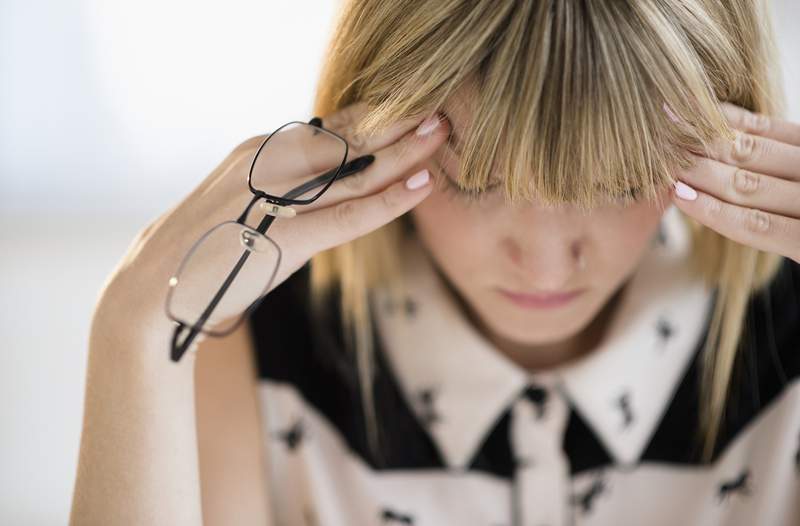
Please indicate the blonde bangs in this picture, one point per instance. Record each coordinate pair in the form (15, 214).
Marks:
(568, 105)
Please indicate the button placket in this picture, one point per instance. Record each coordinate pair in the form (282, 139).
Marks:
(541, 479)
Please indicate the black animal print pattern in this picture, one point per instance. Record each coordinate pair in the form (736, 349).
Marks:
(661, 235)
(623, 403)
(292, 436)
(665, 331)
(426, 400)
(389, 516)
(585, 500)
(739, 484)
(408, 305)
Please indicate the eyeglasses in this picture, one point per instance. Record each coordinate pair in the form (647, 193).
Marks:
(294, 165)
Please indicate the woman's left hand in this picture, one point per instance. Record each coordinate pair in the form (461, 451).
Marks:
(748, 189)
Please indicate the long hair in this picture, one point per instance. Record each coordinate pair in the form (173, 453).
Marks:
(569, 106)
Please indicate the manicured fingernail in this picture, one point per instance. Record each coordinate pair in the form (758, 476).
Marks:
(684, 191)
(428, 125)
(418, 180)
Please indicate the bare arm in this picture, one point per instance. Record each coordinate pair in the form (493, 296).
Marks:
(148, 422)
(138, 460)
(233, 466)
(138, 455)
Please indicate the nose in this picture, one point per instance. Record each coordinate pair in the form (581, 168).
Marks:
(543, 248)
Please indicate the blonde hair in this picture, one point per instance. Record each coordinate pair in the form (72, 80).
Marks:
(576, 90)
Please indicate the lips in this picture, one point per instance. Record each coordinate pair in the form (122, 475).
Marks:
(546, 300)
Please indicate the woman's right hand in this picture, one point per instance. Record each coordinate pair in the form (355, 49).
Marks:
(351, 207)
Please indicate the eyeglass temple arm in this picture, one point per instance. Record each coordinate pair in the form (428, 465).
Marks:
(354, 166)
(178, 350)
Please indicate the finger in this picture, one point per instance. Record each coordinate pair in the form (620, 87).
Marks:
(749, 226)
(759, 154)
(350, 219)
(760, 124)
(343, 122)
(743, 187)
(392, 162)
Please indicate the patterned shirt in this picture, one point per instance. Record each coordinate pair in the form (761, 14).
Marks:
(468, 437)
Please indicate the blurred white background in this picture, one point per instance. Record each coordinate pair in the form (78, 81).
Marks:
(109, 114)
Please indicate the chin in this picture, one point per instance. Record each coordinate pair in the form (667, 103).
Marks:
(544, 334)
(536, 326)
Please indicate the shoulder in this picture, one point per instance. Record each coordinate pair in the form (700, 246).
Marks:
(304, 351)
(290, 342)
(765, 375)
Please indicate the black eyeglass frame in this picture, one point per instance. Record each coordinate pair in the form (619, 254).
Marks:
(344, 169)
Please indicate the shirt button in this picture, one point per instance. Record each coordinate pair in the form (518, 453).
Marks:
(537, 395)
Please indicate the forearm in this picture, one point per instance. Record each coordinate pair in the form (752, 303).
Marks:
(138, 455)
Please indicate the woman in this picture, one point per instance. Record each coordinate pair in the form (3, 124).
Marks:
(589, 315)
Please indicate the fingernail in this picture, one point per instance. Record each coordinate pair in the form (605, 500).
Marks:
(418, 180)
(428, 125)
(685, 191)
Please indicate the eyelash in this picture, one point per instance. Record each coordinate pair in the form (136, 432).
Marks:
(632, 194)
(472, 196)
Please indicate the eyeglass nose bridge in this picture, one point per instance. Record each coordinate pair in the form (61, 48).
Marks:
(277, 210)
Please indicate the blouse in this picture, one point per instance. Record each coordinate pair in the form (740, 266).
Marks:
(468, 437)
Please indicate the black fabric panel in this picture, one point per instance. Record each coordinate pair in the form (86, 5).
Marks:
(295, 347)
(769, 359)
(494, 455)
(582, 447)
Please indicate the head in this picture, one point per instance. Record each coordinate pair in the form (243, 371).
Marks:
(486, 243)
(560, 150)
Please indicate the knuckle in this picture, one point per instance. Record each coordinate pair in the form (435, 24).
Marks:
(389, 199)
(757, 221)
(356, 141)
(745, 182)
(355, 182)
(744, 147)
(713, 207)
(345, 214)
(756, 122)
